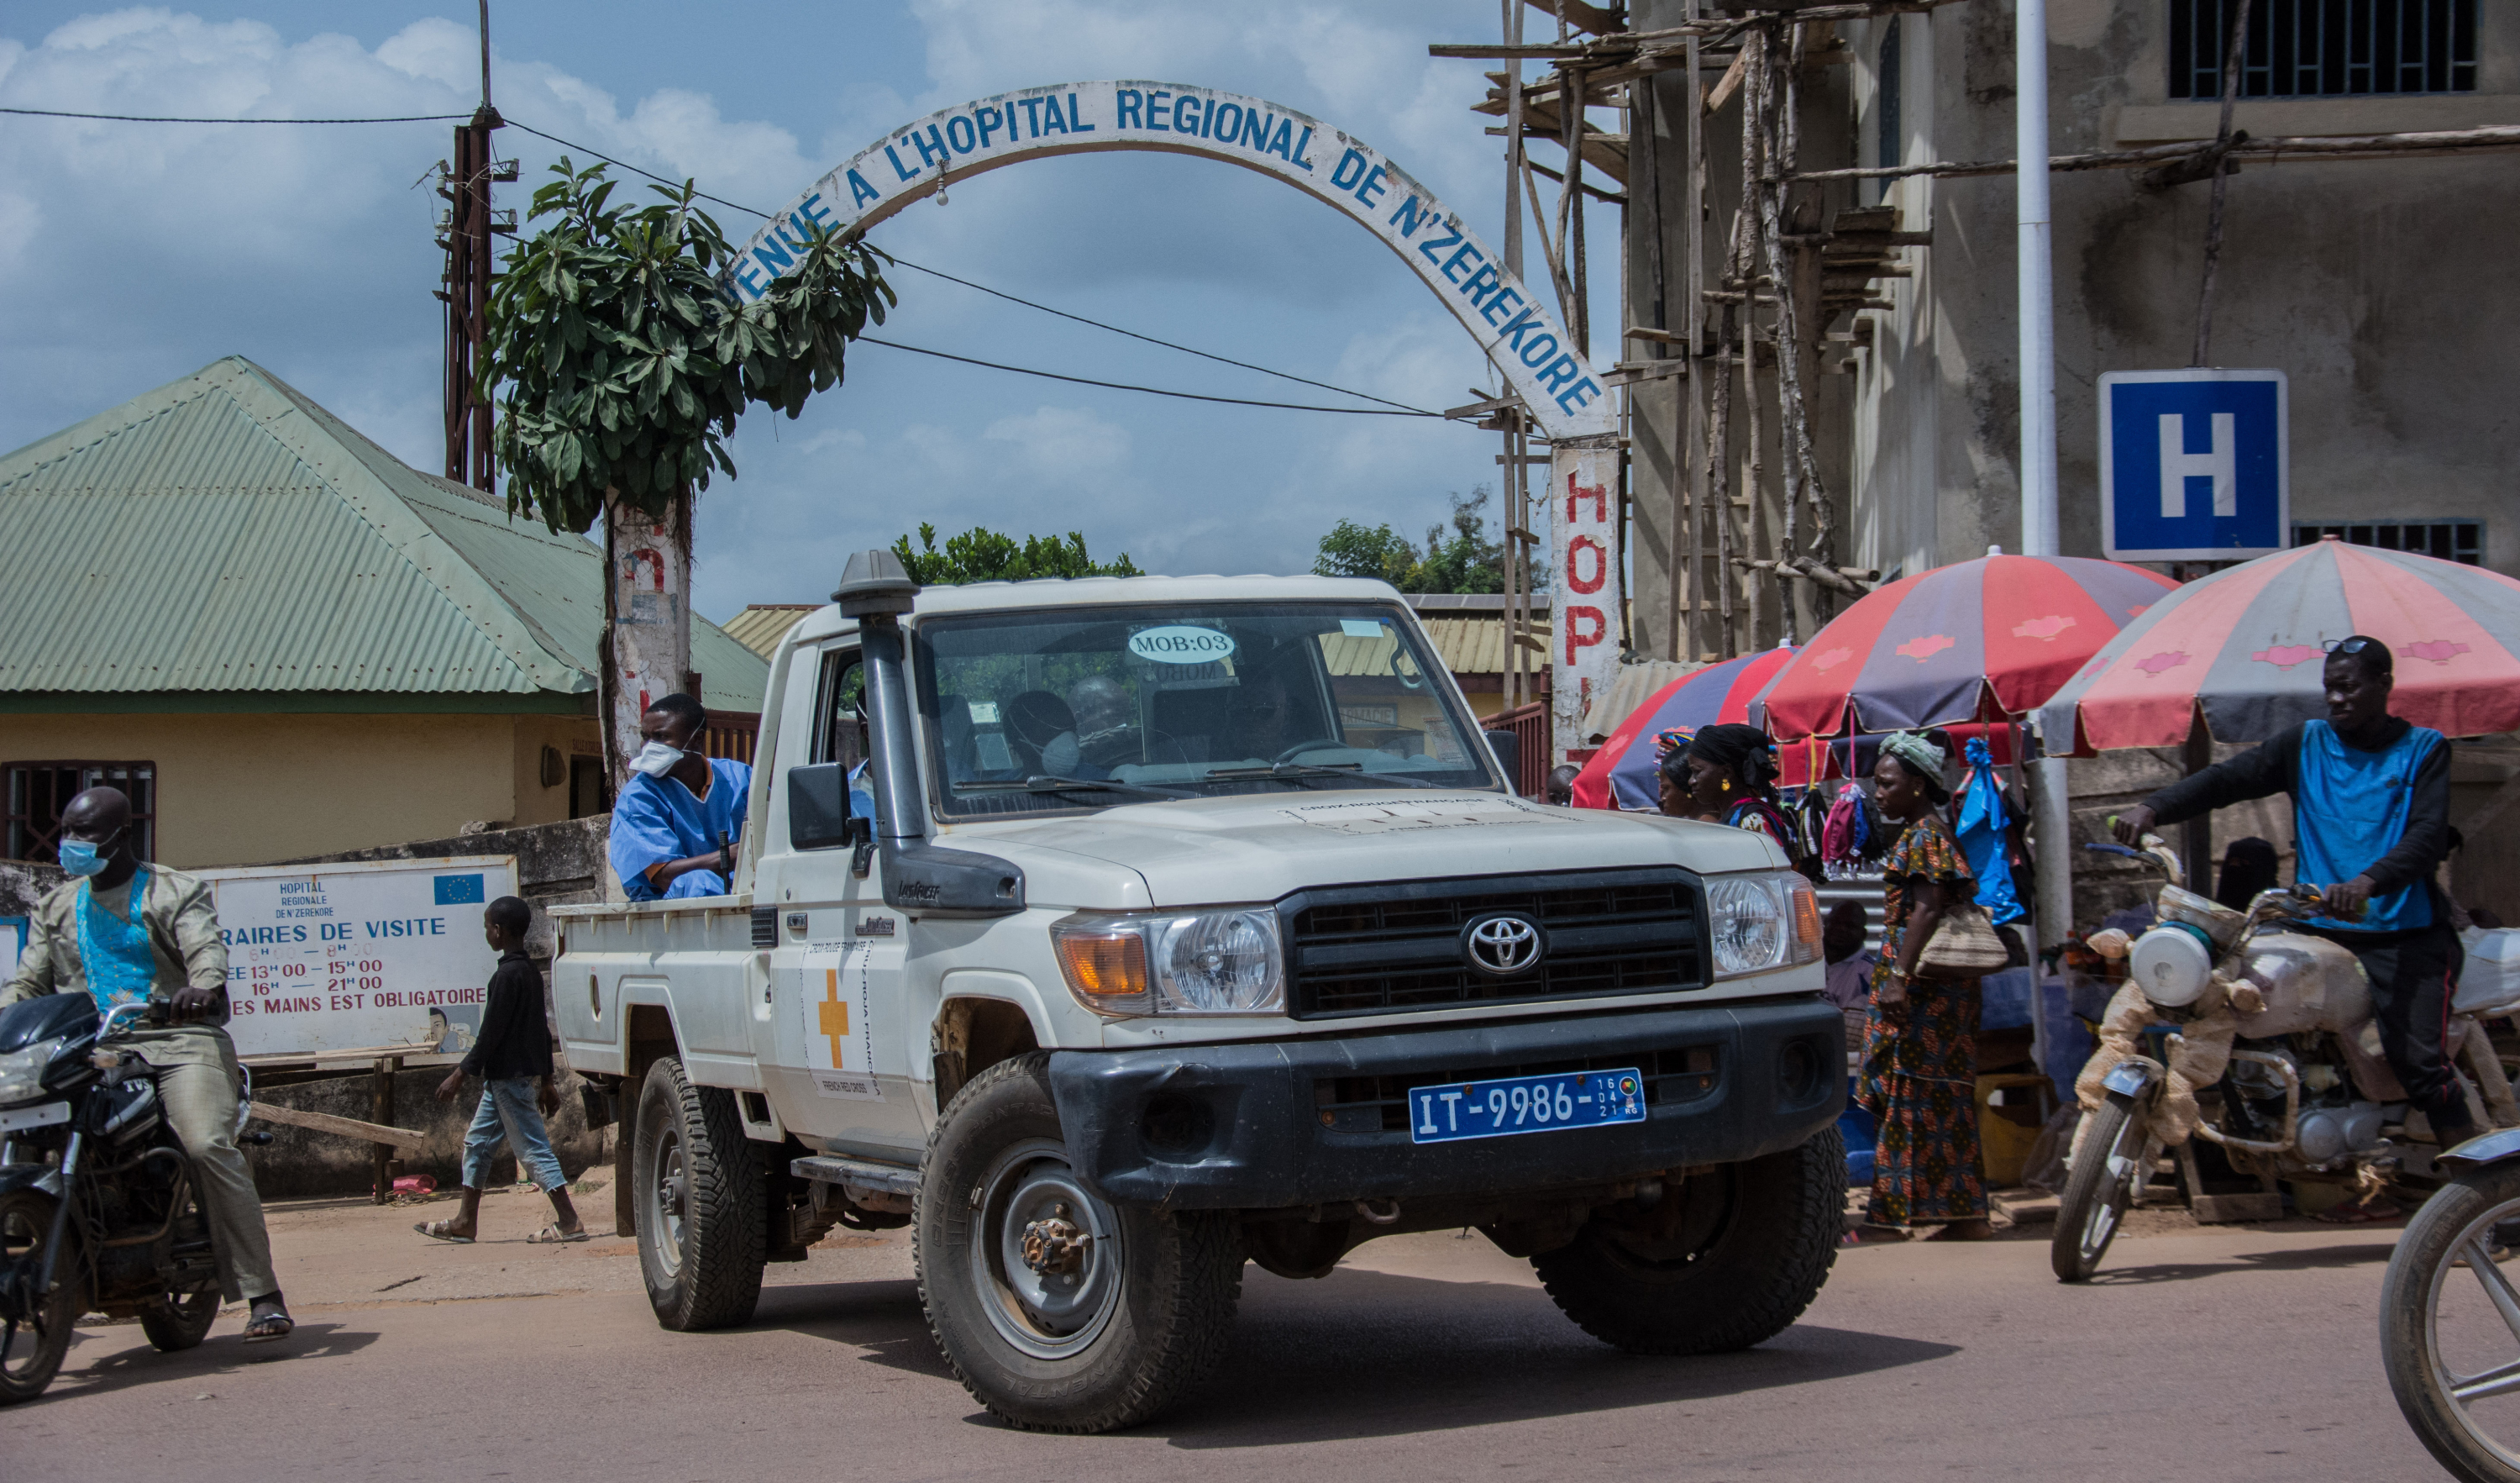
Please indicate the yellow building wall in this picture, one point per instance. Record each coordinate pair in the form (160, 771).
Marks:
(242, 789)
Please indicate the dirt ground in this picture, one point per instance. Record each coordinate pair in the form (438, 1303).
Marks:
(2223, 1353)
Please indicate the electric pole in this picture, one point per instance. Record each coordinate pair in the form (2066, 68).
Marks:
(467, 229)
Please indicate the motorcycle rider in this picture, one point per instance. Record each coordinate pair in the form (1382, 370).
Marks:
(122, 932)
(2370, 796)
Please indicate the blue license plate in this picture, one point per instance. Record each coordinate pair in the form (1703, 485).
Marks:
(1525, 1104)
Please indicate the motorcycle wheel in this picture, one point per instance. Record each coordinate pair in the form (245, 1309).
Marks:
(2099, 1188)
(2450, 1342)
(182, 1321)
(32, 1344)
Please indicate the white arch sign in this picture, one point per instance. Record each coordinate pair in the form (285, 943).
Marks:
(1519, 336)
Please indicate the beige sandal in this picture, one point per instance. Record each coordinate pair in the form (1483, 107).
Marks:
(553, 1236)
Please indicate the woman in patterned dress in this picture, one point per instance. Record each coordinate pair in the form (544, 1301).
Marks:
(1920, 1046)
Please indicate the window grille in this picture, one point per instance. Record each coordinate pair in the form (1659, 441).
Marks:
(2327, 48)
(2451, 540)
(39, 790)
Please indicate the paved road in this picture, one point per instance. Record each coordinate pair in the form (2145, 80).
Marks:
(2224, 1354)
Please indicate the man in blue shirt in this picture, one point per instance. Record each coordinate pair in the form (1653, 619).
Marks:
(2370, 798)
(676, 822)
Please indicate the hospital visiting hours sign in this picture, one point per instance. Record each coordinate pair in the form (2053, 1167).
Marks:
(2194, 466)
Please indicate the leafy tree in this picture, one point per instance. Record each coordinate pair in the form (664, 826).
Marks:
(1465, 561)
(981, 555)
(624, 361)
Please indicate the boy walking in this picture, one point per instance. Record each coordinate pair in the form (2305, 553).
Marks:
(513, 1056)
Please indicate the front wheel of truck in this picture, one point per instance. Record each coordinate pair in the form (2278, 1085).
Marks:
(1726, 1259)
(1058, 1309)
(700, 1206)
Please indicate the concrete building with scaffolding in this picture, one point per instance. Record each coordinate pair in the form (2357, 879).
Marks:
(1765, 487)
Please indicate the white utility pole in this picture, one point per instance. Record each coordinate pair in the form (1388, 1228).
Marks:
(2050, 811)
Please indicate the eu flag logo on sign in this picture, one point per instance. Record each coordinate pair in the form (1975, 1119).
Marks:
(459, 890)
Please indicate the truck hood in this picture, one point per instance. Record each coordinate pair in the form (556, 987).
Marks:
(1202, 851)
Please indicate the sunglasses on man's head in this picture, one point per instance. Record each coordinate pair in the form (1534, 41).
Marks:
(2348, 645)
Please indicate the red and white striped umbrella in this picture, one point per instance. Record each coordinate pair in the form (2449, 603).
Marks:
(2248, 646)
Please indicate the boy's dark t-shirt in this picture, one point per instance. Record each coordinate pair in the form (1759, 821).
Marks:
(516, 1037)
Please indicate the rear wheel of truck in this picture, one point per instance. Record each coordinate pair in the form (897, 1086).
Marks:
(1738, 1256)
(700, 1201)
(1058, 1309)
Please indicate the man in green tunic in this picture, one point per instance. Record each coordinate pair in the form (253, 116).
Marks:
(125, 932)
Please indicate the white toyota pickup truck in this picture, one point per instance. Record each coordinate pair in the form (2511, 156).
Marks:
(1175, 922)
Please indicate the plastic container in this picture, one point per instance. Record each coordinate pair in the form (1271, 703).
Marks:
(2490, 982)
(2010, 1110)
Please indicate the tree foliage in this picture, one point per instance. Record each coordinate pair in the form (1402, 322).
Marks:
(625, 360)
(981, 555)
(1460, 559)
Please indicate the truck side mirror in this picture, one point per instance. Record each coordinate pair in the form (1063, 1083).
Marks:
(818, 807)
(1509, 754)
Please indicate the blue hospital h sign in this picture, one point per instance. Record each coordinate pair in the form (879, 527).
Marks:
(2193, 465)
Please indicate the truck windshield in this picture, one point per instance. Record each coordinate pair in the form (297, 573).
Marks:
(1041, 711)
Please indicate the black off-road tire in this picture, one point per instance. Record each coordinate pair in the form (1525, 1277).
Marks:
(692, 1160)
(2409, 1298)
(1170, 1297)
(1740, 1269)
(2095, 1201)
(34, 1357)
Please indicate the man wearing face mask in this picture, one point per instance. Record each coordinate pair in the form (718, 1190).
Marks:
(124, 931)
(677, 819)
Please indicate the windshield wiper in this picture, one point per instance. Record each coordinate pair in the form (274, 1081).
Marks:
(1299, 771)
(1050, 785)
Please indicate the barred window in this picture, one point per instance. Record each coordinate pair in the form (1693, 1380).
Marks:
(38, 791)
(2451, 540)
(2327, 48)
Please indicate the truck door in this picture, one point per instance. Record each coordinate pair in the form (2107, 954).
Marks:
(836, 1004)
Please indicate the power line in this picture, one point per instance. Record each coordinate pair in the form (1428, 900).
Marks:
(1167, 344)
(161, 119)
(1398, 409)
(1193, 397)
(1026, 302)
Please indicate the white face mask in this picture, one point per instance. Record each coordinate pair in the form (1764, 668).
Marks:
(657, 759)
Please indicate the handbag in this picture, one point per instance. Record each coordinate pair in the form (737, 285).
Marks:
(1963, 946)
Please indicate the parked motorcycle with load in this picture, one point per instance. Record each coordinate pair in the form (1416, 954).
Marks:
(98, 1211)
(2277, 1024)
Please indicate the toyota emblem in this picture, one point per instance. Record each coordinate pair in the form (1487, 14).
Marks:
(1502, 946)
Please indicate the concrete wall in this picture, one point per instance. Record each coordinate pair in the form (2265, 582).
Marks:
(2376, 286)
(239, 789)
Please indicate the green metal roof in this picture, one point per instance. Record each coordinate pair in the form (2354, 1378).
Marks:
(224, 533)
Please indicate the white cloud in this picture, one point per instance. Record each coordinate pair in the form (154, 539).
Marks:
(1067, 443)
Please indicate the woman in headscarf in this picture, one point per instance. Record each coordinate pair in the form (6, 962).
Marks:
(1920, 1047)
(1725, 774)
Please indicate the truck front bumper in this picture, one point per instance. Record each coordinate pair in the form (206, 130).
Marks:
(1267, 1125)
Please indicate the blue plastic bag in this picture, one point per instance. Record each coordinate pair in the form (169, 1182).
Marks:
(1981, 831)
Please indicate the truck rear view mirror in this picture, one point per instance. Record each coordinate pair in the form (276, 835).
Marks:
(818, 806)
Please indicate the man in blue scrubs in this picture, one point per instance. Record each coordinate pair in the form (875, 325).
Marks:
(676, 822)
(2370, 801)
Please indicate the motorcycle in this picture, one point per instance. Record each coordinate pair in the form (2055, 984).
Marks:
(2277, 1023)
(2453, 1351)
(98, 1210)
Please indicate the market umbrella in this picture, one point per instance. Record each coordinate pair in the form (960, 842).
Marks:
(2248, 643)
(1621, 773)
(1994, 636)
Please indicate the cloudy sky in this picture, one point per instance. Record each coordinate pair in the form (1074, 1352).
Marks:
(131, 255)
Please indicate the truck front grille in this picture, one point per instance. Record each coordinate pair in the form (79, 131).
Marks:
(1380, 1104)
(1397, 946)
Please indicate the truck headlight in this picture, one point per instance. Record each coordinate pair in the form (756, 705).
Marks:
(1767, 920)
(1223, 960)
